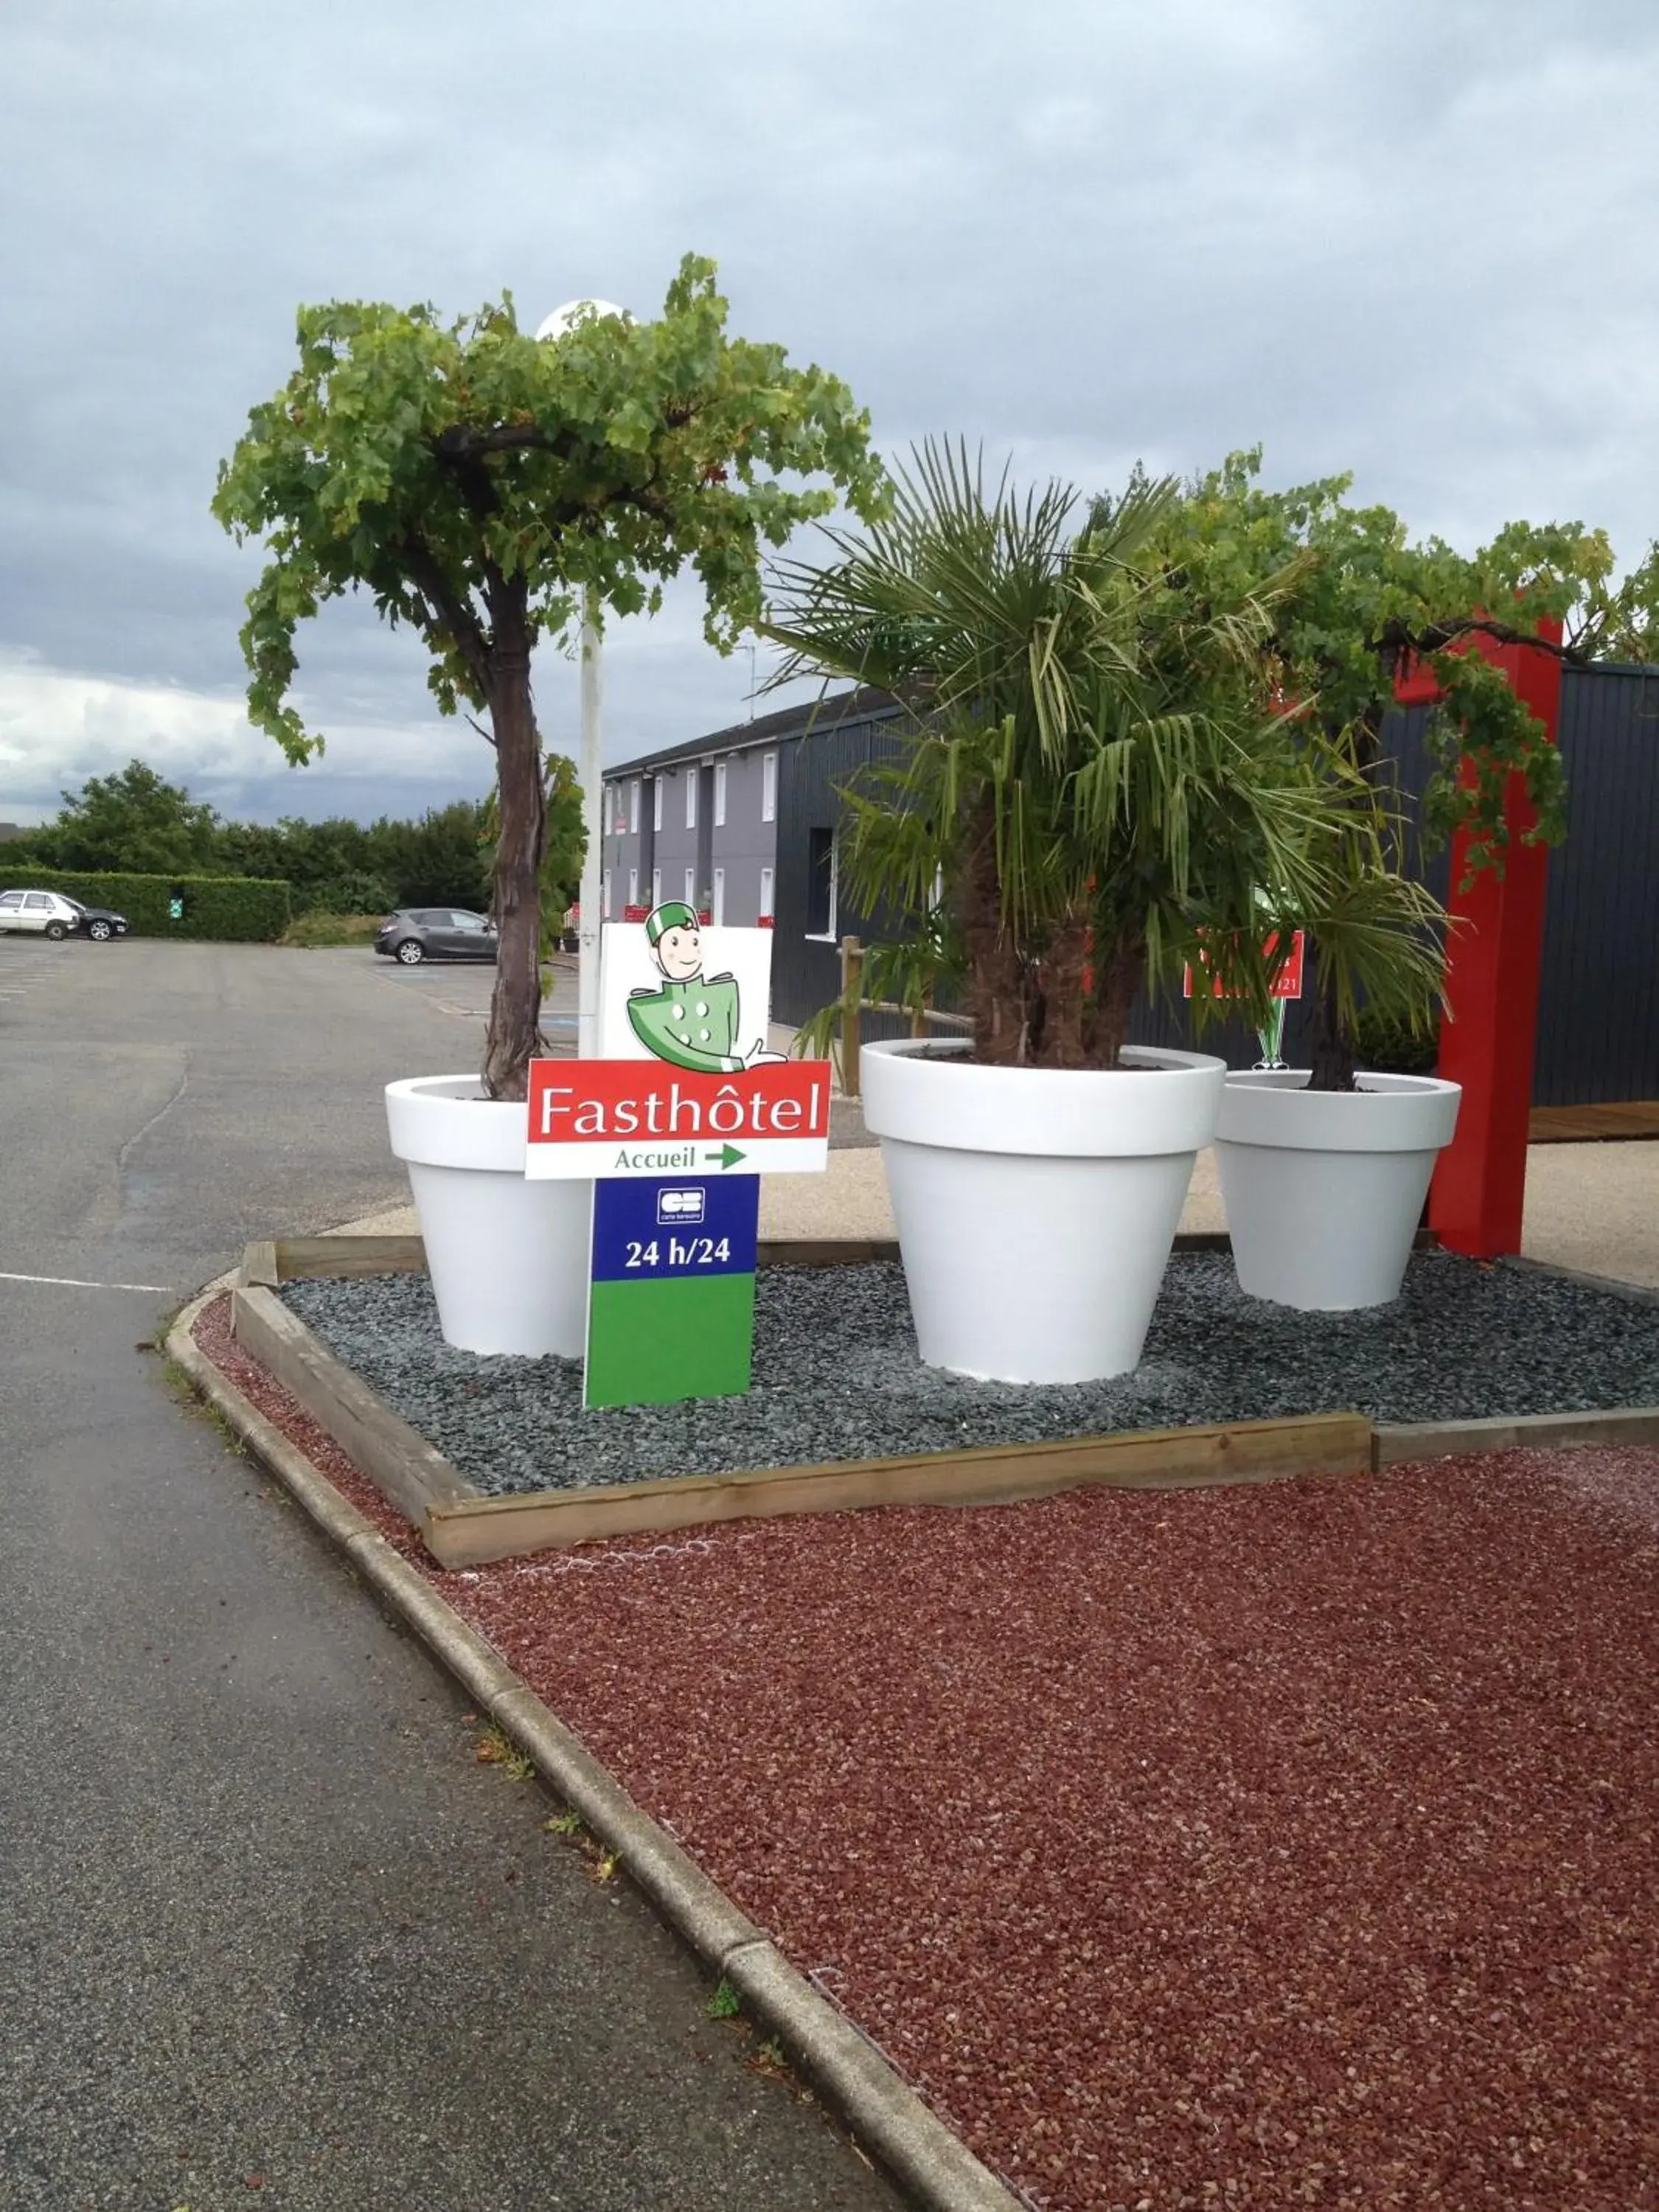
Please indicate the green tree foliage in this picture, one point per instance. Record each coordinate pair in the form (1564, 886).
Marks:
(1355, 602)
(334, 866)
(1097, 772)
(435, 861)
(442, 859)
(477, 484)
(131, 820)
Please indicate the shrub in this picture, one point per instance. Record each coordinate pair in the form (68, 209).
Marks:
(226, 910)
(311, 930)
(1388, 1046)
(352, 892)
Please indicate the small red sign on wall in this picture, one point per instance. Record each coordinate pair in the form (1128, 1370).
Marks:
(636, 913)
(1287, 984)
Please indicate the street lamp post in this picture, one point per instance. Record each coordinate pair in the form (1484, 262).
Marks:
(591, 761)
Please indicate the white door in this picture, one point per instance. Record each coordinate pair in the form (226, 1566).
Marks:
(11, 910)
(38, 909)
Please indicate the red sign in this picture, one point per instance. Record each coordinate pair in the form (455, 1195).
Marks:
(1287, 984)
(645, 1117)
(636, 913)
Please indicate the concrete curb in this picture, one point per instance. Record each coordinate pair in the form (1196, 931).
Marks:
(883, 2114)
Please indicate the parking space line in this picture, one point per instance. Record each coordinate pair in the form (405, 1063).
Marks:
(74, 1283)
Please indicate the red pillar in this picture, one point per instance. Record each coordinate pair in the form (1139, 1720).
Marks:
(1494, 964)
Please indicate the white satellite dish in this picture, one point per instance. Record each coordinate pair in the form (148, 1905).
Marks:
(561, 319)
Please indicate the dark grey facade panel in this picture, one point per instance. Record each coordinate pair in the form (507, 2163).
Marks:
(1598, 1015)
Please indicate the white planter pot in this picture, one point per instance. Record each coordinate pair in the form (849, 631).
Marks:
(1035, 1208)
(508, 1258)
(1324, 1189)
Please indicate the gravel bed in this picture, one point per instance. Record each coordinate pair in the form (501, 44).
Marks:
(837, 1375)
(1250, 1848)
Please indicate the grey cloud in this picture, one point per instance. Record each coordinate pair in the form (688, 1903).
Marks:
(1408, 241)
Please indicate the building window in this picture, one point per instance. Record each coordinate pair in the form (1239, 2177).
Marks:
(768, 787)
(656, 886)
(633, 887)
(820, 872)
(719, 909)
(634, 818)
(690, 799)
(691, 889)
(604, 898)
(610, 808)
(656, 802)
(766, 895)
(720, 795)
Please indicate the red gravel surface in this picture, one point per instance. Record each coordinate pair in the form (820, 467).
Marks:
(1272, 1846)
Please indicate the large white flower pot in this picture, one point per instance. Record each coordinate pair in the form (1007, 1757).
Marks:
(1323, 1189)
(508, 1259)
(1035, 1208)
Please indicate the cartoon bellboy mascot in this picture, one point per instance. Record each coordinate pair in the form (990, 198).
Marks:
(691, 1020)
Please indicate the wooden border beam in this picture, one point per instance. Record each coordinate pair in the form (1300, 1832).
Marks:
(469, 1533)
(397, 1459)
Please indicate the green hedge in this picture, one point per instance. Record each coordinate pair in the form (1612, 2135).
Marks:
(230, 909)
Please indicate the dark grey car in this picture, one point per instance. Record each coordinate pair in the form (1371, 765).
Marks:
(414, 933)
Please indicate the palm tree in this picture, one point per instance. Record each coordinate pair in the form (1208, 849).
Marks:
(1096, 789)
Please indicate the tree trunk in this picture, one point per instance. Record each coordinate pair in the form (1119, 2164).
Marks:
(1333, 1055)
(996, 978)
(1333, 1051)
(1119, 968)
(1060, 1041)
(514, 1037)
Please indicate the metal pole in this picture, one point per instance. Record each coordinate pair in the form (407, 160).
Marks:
(852, 1017)
(592, 779)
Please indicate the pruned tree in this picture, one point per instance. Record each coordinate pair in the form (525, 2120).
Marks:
(477, 484)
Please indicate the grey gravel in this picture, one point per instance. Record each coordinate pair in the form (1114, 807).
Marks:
(836, 1374)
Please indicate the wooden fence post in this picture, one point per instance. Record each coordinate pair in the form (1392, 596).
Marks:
(851, 976)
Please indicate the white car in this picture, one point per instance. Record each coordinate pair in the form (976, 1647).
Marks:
(49, 913)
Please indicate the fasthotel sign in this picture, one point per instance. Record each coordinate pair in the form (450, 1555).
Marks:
(675, 1127)
(675, 1159)
(647, 1117)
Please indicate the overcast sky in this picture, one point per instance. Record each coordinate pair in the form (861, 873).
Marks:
(1416, 241)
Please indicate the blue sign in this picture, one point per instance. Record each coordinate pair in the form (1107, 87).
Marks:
(645, 1232)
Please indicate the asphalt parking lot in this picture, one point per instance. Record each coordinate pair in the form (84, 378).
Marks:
(267, 1925)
